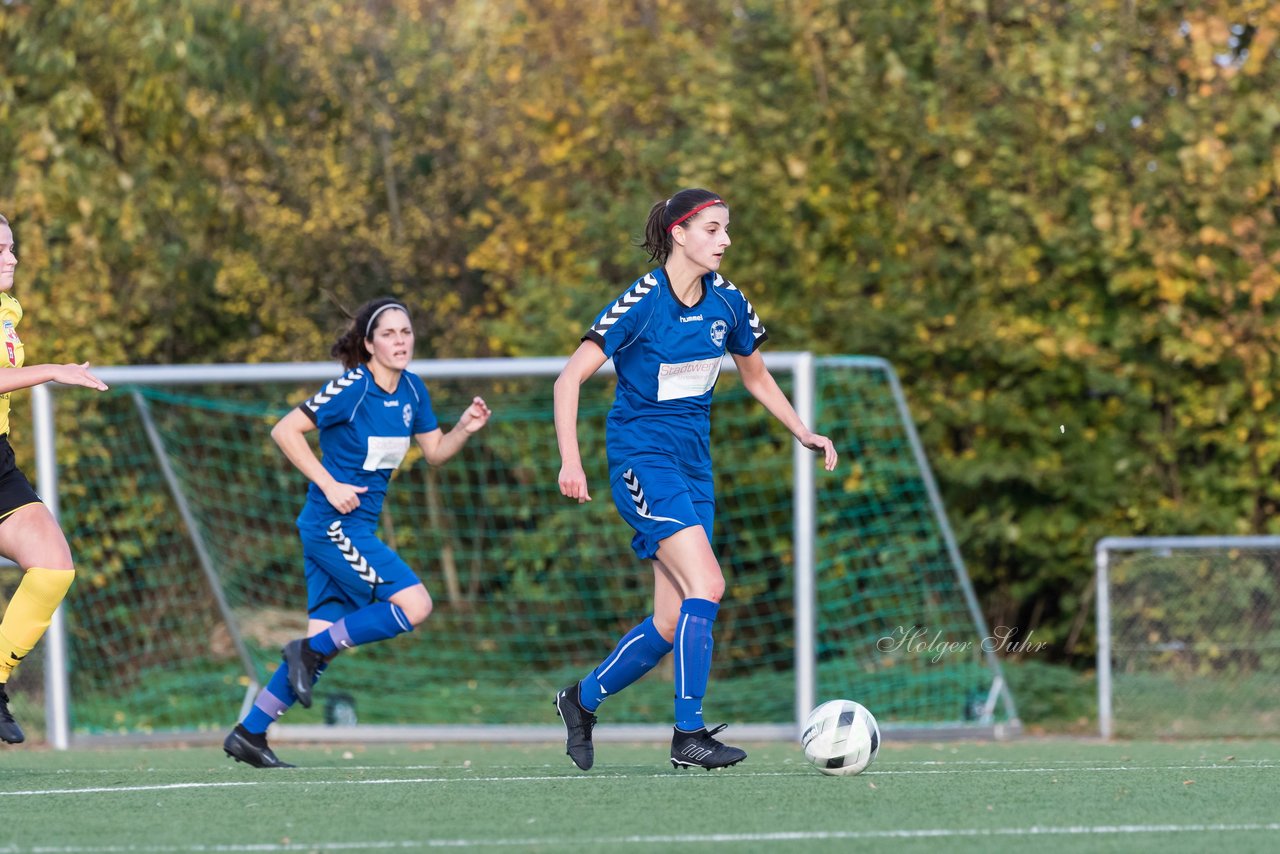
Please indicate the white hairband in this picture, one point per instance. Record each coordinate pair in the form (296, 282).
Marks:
(368, 330)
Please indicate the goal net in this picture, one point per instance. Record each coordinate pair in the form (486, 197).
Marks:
(181, 513)
(1189, 636)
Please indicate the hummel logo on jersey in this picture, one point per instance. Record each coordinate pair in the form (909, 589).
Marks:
(390, 403)
(691, 318)
(693, 751)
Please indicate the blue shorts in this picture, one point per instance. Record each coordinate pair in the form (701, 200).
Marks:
(348, 567)
(658, 498)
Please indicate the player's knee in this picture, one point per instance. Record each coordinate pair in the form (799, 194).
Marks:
(712, 589)
(58, 565)
(54, 556)
(417, 608)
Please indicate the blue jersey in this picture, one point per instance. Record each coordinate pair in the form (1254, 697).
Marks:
(668, 357)
(364, 434)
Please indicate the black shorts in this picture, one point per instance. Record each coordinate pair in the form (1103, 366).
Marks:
(15, 489)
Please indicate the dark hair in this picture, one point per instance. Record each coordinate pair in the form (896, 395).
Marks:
(670, 212)
(350, 348)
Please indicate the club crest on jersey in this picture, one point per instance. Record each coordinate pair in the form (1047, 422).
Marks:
(408, 415)
(718, 330)
(9, 331)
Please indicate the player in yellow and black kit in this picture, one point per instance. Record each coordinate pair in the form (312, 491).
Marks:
(29, 535)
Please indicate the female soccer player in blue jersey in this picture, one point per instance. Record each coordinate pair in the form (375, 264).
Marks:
(358, 590)
(29, 534)
(667, 335)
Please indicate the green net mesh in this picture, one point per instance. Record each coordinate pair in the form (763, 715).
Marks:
(1195, 642)
(531, 590)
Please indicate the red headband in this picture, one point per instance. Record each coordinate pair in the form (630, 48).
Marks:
(700, 207)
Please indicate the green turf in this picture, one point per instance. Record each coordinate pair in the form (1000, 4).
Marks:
(1163, 704)
(1082, 796)
(163, 700)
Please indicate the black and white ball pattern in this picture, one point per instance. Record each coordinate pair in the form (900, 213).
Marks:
(841, 738)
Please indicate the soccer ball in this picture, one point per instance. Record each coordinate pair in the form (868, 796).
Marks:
(841, 738)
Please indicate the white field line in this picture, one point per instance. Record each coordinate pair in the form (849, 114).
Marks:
(954, 764)
(677, 839)
(279, 778)
(994, 764)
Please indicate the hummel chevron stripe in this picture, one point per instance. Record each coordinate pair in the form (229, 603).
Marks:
(331, 390)
(625, 303)
(637, 497)
(757, 328)
(352, 555)
(637, 494)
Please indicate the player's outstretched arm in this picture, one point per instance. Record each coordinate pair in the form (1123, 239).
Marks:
(581, 366)
(13, 379)
(290, 434)
(764, 388)
(438, 446)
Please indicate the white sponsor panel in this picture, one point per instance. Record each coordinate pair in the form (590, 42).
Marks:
(687, 379)
(386, 452)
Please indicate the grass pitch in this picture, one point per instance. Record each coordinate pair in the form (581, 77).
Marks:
(1067, 795)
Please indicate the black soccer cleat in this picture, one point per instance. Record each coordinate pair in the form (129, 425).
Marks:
(303, 662)
(9, 729)
(244, 746)
(701, 750)
(578, 723)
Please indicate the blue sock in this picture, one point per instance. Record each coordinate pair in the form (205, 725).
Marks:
(375, 622)
(693, 660)
(634, 656)
(273, 700)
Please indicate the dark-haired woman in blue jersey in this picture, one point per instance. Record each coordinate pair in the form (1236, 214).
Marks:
(667, 335)
(358, 590)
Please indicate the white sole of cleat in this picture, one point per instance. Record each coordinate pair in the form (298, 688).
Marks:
(680, 766)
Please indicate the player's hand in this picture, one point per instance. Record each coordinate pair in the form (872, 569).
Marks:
(78, 375)
(573, 483)
(344, 497)
(822, 445)
(476, 416)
